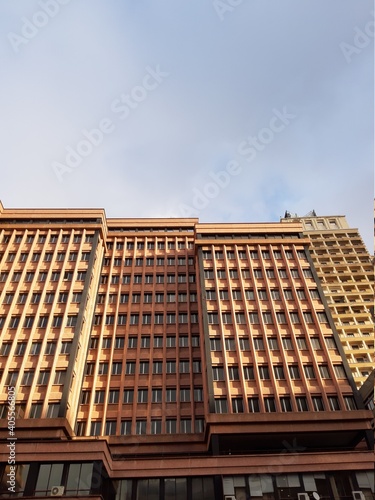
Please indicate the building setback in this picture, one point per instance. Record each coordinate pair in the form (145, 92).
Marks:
(170, 359)
(346, 271)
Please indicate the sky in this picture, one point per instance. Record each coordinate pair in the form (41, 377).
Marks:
(226, 110)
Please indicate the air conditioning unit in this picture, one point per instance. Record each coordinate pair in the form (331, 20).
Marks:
(303, 496)
(358, 495)
(57, 491)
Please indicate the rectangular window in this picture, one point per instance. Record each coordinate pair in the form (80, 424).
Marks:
(248, 372)
(116, 368)
(264, 373)
(221, 405)
(249, 294)
(237, 405)
(128, 396)
(269, 404)
(317, 403)
(144, 367)
(309, 371)
(270, 273)
(301, 402)
(233, 373)
(267, 318)
(279, 372)
(315, 343)
(286, 404)
(294, 372)
(171, 367)
(273, 344)
(171, 426)
(324, 371)
(258, 344)
(262, 294)
(170, 395)
(281, 318)
(157, 395)
(130, 368)
(218, 373)
(253, 405)
(244, 343)
(287, 343)
(142, 395)
(253, 318)
(333, 402)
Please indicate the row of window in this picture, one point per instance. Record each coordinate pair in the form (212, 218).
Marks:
(145, 342)
(267, 317)
(28, 377)
(140, 245)
(157, 395)
(253, 254)
(258, 273)
(184, 366)
(278, 372)
(272, 342)
(211, 294)
(158, 318)
(48, 299)
(155, 427)
(150, 261)
(42, 276)
(48, 257)
(126, 279)
(285, 402)
(65, 238)
(148, 298)
(35, 348)
(57, 321)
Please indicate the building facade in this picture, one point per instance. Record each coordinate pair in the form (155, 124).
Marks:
(346, 271)
(170, 359)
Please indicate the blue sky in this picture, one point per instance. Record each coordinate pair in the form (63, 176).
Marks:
(227, 110)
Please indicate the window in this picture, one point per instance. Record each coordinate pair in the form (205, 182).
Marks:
(43, 377)
(253, 318)
(89, 369)
(324, 371)
(185, 395)
(197, 366)
(171, 426)
(270, 273)
(145, 342)
(309, 371)
(128, 396)
(22, 297)
(103, 369)
(36, 410)
(213, 318)
(157, 395)
(244, 343)
(237, 405)
(134, 319)
(301, 403)
(308, 317)
(55, 276)
(322, 317)
(294, 372)
(171, 367)
(301, 342)
(215, 344)
(35, 348)
(147, 298)
(273, 344)
(57, 321)
(288, 294)
(227, 318)
(248, 372)
(294, 273)
(160, 278)
(267, 318)
(116, 368)
(159, 318)
(144, 367)
(183, 341)
(137, 279)
(285, 404)
(264, 373)
(119, 342)
(315, 343)
(29, 277)
(287, 343)
(307, 273)
(28, 323)
(279, 372)
(211, 294)
(71, 321)
(171, 341)
(230, 344)
(5, 349)
(126, 279)
(170, 395)
(281, 318)
(330, 342)
(184, 366)
(130, 368)
(27, 378)
(339, 371)
(254, 254)
(233, 273)
(59, 377)
(317, 403)
(195, 341)
(233, 373)
(333, 402)
(258, 344)
(50, 348)
(66, 347)
(277, 254)
(258, 273)
(158, 341)
(142, 395)
(99, 397)
(221, 405)
(269, 404)
(253, 405)
(314, 293)
(249, 294)
(262, 294)
(218, 373)
(126, 426)
(198, 394)
(350, 403)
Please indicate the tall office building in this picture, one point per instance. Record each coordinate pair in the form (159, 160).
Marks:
(346, 271)
(169, 359)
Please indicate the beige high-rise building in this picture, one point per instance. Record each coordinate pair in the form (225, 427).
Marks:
(346, 272)
(167, 359)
